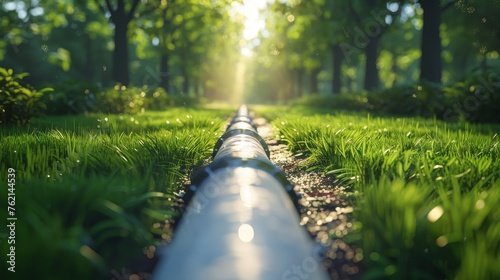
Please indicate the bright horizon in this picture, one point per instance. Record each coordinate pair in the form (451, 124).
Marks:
(253, 23)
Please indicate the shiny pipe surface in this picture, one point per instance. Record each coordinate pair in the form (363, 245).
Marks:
(240, 222)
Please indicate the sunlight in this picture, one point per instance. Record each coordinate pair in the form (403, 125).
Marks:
(435, 214)
(239, 83)
(253, 23)
(246, 233)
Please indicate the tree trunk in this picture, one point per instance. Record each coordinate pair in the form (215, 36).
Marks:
(372, 79)
(120, 53)
(430, 60)
(349, 83)
(395, 69)
(206, 93)
(164, 56)
(289, 92)
(164, 74)
(197, 92)
(120, 18)
(300, 82)
(337, 63)
(185, 83)
(313, 81)
(294, 82)
(89, 67)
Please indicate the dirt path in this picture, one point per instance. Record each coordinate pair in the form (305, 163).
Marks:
(325, 211)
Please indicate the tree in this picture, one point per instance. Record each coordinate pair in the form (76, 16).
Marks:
(400, 49)
(373, 15)
(431, 65)
(184, 32)
(330, 19)
(120, 16)
(303, 32)
(480, 27)
(50, 36)
(430, 61)
(346, 28)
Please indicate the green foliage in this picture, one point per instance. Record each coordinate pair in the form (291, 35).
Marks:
(475, 99)
(133, 100)
(73, 40)
(121, 99)
(92, 195)
(84, 224)
(407, 235)
(427, 191)
(184, 100)
(423, 99)
(353, 102)
(19, 102)
(71, 97)
(74, 97)
(158, 99)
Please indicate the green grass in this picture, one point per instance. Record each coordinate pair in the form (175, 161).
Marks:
(93, 191)
(427, 193)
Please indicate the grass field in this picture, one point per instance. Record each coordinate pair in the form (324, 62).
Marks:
(86, 187)
(426, 193)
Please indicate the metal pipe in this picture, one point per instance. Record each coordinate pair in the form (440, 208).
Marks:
(240, 222)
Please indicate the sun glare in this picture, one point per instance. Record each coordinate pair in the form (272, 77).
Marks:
(253, 23)
(246, 233)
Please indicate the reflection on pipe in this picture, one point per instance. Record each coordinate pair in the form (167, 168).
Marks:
(245, 232)
(241, 221)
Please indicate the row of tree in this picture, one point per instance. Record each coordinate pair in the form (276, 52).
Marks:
(370, 44)
(193, 46)
(180, 45)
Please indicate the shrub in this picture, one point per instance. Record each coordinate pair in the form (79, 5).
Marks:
(131, 100)
(157, 99)
(120, 99)
(182, 100)
(421, 99)
(19, 102)
(477, 99)
(71, 97)
(344, 101)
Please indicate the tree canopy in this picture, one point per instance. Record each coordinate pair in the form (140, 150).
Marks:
(195, 47)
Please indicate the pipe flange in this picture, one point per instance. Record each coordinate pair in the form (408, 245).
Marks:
(233, 162)
(234, 132)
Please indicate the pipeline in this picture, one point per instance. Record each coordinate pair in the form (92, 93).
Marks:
(242, 220)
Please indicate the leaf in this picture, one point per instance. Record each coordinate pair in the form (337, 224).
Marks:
(157, 214)
(143, 198)
(111, 209)
(462, 174)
